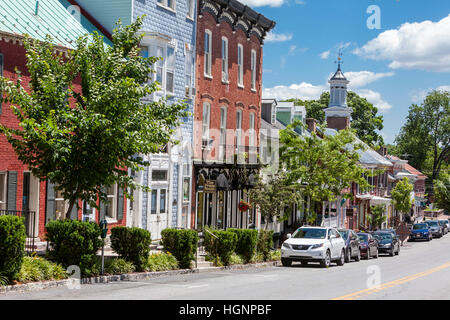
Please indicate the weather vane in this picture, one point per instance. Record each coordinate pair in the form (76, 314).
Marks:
(339, 59)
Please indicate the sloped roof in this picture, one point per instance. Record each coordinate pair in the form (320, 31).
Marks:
(339, 75)
(54, 17)
(368, 156)
(414, 171)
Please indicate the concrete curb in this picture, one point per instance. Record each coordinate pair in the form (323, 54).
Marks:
(37, 286)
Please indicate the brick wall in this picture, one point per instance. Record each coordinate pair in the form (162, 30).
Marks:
(218, 94)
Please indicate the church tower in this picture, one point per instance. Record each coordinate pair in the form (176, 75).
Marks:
(338, 114)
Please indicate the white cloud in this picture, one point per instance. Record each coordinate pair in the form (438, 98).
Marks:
(293, 50)
(444, 88)
(325, 55)
(362, 78)
(304, 91)
(262, 3)
(421, 45)
(308, 91)
(281, 37)
(419, 96)
(374, 98)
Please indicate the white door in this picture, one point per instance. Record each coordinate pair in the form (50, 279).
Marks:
(159, 216)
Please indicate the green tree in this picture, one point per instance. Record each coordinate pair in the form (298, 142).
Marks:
(442, 192)
(84, 139)
(426, 134)
(321, 166)
(273, 195)
(365, 118)
(401, 196)
(377, 217)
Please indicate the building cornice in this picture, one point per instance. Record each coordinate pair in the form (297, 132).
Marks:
(238, 16)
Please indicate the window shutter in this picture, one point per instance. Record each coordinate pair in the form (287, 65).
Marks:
(120, 204)
(50, 213)
(12, 190)
(1, 75)
(74, 212)
(102, 207)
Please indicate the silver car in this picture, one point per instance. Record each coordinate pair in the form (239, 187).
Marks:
(445, 225)
(435, 228)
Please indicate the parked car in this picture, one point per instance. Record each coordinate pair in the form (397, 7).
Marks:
(387, 243)
(351, 239)
(435, 228)
(444, 226)
(447, 223)
(420, 231)
(368, 245)
(314, 244)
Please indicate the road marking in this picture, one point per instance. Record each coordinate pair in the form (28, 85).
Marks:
(199, 286)
(366, 292)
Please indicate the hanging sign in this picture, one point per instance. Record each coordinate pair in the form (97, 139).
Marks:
(210, 186)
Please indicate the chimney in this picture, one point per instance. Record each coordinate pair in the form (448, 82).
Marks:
(312, 124)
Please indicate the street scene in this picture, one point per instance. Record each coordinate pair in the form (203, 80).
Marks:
(224, 150)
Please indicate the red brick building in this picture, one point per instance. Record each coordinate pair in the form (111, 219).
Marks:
(227, 113)
(20, 192)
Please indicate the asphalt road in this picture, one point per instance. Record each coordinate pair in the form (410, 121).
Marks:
(421, 271)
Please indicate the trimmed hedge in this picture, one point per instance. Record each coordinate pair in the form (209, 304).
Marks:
(74, 242)
(161, 262)
(132, 244)
(265, 243)
(223, 247)
(246, 243)
(118, 266)
(182, 244)
(12, 246)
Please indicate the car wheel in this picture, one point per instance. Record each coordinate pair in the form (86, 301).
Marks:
(358, 257)
(286, 262)
(325, 263)
(348, 256)
(341, 260)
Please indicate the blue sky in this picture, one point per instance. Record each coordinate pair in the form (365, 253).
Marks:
(392, 67)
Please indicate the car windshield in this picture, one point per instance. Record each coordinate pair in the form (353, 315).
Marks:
(363, 237)
(344, 234)
(306, 233)
(420, 226)
(433, 223)
(383, 236)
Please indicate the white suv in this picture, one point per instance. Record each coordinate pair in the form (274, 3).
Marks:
(314, 244)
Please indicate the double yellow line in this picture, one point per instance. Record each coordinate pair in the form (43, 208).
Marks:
(366, 292)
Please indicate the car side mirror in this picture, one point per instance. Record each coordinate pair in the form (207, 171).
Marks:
(288, 236)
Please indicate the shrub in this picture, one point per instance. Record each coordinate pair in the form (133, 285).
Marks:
(132, 244)
(12, 245)
(118, 266)
(265, 243)
(40, 269)
(237, 259)
(246, 243)
(223, 246)
(274, 255)
(73, 242)
(161, 262)
(182, 244)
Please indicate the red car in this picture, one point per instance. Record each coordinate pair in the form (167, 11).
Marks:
(368, 245)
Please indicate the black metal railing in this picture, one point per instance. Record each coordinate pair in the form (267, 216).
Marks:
(30, 226)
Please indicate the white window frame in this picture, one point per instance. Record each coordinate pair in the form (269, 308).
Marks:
(208, 54)
(165, 4)
(170, 69)
(3, 195)
(66, 206)
(159, 49)
(252, 119)
(191, 9)
(253, 68)
(206, 120)
(224, 60)
(189, 74)
(239, 128)
(223, 131)
(112, 198)
(240, 63)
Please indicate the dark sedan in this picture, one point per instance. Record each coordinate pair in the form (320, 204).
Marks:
(420, 231)
(351, 239)
(387, 243)
(368, 245)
